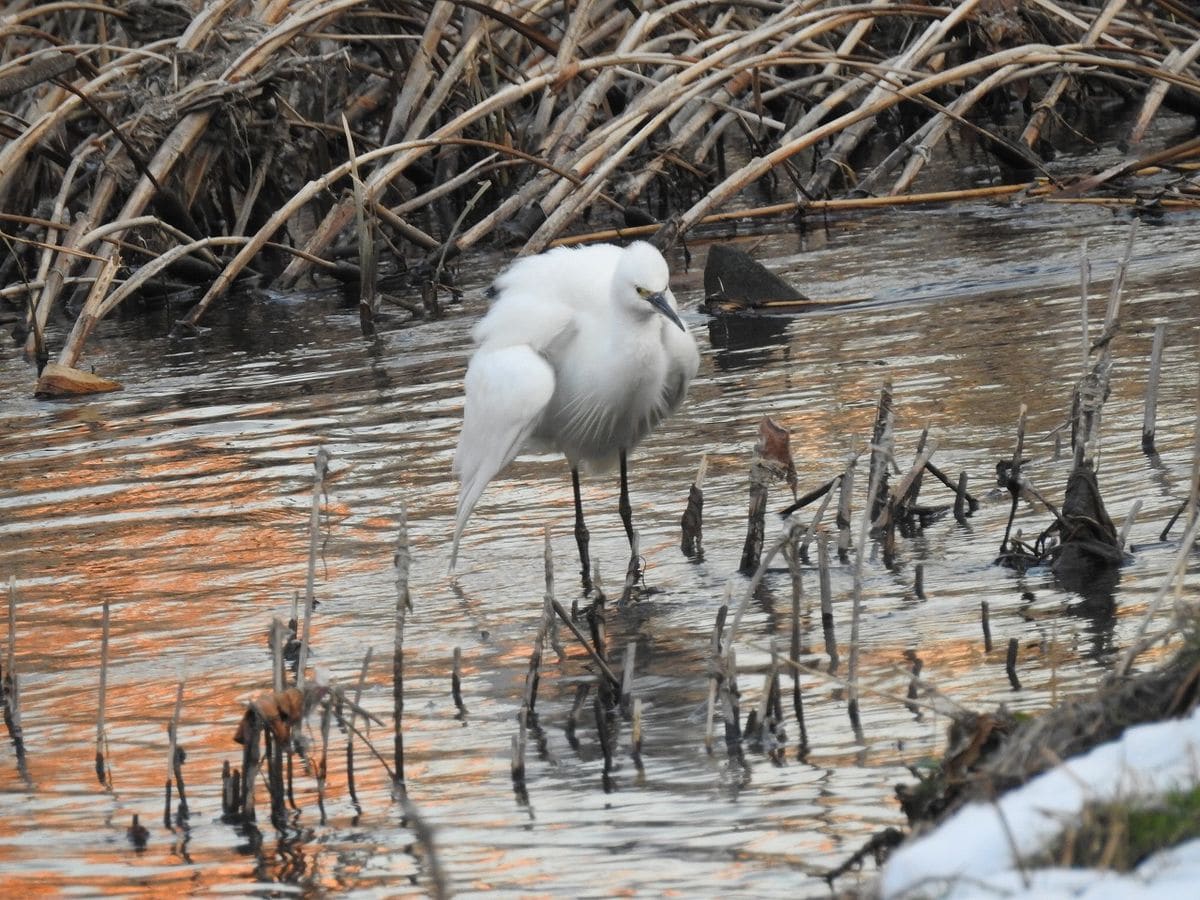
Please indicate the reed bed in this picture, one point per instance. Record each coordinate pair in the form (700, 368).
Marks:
(154, 146)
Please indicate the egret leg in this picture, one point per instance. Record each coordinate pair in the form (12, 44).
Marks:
(633, 573)
(581, 534)
(623, 505)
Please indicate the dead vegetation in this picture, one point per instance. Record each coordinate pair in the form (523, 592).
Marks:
(150, 146)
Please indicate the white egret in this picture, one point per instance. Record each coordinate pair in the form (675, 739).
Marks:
(582, 352)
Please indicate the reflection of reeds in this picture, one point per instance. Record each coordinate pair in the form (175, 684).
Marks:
(178, 152)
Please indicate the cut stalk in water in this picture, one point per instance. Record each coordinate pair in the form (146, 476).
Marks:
(402, 559)
(1151, 402)
(103, 770)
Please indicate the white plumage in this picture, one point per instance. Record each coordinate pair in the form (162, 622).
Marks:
(581, 352)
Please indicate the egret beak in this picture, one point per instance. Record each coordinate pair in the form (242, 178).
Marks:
(659, 301)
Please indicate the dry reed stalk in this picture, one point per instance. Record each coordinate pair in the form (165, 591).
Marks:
(358, 689)
(612, 681)
(456, 684)
(960, 498)
(792, 552)
(692, 522)
(424, 833)
(1151, 402)
(320, 470)
(831, 487)
(716, 668)
(368, 297)
(103, 769)
(402, 560)
(685, 72)
(1010, 664)
(10, 687)
(826, 601)
(845, 493)
(881, 449)
(1045, 106)
(627, 676)
(175, 757)
(1127, 526)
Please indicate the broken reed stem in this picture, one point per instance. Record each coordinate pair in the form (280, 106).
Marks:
(635, 749)
(729, 704)
(1140, 642)
(1014, 477)
(401, 560)
(843, 513)
(603, 732)
(692, 523)
(715, 668)
(987, 626)
(605, 671)
(627, 677)
(10, 685)
(881, 452)
(421, 829)
(877, 482)
(960, 498)
(1010, 664)
(358, 689)
(533, 676)
(323, 763)
(820, 513)
(792, 552)
(251, 756)
(1130, 518)
(756, 514)
(101, 767)
(1085, 275)
(276, 638)
(456, 682)
(960, 487)
(175, 754)
(1193, 503)
(826, 601)
(1151, 406)
(321, 468)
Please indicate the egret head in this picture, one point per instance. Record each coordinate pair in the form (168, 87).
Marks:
(640, 283)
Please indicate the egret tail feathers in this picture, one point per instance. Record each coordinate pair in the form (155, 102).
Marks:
(507, 390)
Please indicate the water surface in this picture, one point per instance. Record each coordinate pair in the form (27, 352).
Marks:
(184, 501)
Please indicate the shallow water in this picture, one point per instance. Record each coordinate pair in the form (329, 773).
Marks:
(184, 501)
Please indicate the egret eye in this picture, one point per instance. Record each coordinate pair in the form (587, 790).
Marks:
(643, 292)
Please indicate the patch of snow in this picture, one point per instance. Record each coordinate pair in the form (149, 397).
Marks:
(971, 853)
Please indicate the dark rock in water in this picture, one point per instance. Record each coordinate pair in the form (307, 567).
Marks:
(521, 227)
(637, 218)
(1089, 544)
(734, 281)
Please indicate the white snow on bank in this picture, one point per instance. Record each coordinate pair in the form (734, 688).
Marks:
(971, 855)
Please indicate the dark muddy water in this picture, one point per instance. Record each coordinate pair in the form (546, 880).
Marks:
(184, 501)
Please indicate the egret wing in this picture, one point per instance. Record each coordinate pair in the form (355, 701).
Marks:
(507, 390)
